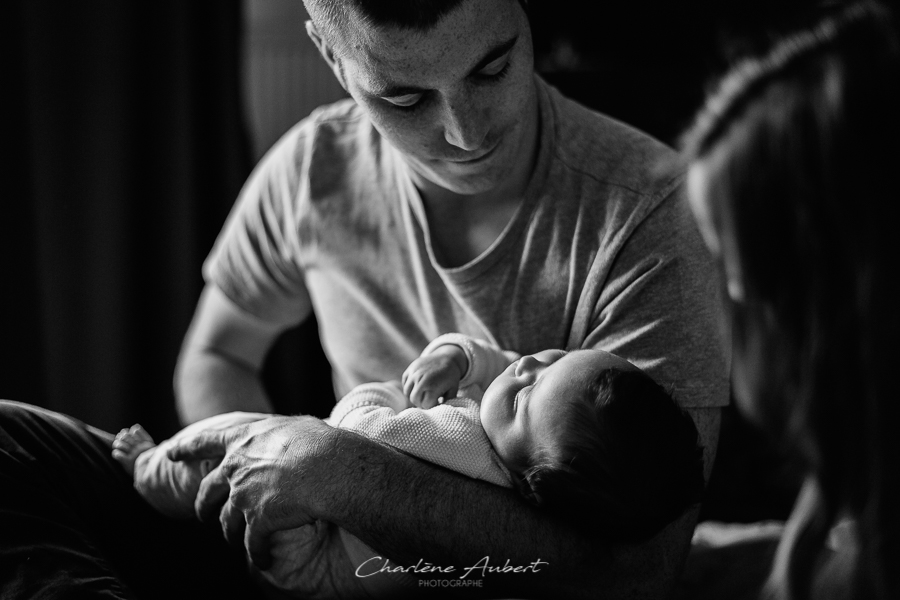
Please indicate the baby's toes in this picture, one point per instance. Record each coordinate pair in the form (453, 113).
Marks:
(139, 434)
(124, 441)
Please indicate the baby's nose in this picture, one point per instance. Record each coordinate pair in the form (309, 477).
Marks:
(526, 365)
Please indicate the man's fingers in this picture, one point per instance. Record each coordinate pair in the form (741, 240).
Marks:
(257, 543)
(213, 493)
(233, 524)
(204, 444)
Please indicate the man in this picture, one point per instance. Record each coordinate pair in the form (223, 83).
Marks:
(456, 192)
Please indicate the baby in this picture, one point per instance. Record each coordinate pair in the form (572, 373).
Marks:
(583, 434)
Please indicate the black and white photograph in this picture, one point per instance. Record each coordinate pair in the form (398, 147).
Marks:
(337, 299)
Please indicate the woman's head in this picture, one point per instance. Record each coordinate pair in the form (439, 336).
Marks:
(792, 169)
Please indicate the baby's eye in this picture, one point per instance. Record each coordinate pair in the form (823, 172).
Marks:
(519, 395)
(405, 101)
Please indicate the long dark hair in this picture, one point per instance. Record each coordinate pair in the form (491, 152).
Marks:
(801, 150)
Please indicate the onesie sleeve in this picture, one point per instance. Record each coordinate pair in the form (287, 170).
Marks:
(660, 307)
(449, 435)
(350, 408)
(485, 361)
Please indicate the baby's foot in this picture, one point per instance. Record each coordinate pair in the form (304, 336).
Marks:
(129, 444)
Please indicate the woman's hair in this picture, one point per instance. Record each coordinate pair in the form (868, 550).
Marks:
(626, 461)
(802, 155)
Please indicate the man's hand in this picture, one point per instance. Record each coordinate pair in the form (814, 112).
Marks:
(434, 376)
(310, 562)
(259, 486)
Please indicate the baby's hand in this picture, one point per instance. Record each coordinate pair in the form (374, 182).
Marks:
(436, 376)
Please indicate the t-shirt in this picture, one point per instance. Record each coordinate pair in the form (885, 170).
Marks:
(602, 252)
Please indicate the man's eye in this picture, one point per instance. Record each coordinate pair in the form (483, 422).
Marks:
(405, 101)
(496, 66)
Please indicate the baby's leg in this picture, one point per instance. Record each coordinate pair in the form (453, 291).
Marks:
(169, 486)
(129, 444)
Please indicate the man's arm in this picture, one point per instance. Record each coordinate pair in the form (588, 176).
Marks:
(384, 509)
(411, 510)
(218, 367)
(579, 564)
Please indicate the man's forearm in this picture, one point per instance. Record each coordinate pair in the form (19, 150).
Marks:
(411, 510)
(208, 384)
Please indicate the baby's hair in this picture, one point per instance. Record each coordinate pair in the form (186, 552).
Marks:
(626, 462)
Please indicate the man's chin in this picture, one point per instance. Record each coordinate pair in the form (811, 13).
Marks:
(468, 184)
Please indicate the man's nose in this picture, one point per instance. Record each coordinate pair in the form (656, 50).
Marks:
(466, 123)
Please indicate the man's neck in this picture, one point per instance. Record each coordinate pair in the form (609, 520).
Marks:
(463, 226)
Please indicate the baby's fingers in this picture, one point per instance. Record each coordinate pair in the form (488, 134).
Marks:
(451, 392)
(404, 378)
(408, 387)
(429, 401)
(431, 395)
(415, 395)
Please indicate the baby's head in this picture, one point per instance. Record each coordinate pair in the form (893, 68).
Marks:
(589, 434)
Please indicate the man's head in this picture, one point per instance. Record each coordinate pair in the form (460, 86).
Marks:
(448, 83)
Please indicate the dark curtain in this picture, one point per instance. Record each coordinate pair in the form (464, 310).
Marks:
(125, 150)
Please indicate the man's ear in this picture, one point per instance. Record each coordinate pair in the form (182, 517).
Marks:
(327, 52)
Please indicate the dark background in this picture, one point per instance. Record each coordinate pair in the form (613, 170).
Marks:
(126, 143)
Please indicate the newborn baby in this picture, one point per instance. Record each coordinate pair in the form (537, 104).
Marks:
(583, 434)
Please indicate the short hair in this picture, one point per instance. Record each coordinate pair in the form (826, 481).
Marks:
(627, 461)
(333, 17)
(802, 145)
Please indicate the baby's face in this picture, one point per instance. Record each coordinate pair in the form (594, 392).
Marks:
(523, 407)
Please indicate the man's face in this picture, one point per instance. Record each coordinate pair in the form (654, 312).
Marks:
(458, 100)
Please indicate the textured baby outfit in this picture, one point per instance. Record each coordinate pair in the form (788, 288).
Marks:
(449, 435)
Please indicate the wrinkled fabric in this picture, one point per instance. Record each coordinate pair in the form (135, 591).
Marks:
(72, 525)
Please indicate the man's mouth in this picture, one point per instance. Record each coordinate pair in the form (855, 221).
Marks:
(484, 155)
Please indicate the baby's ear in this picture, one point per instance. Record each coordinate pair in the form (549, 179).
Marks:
(527, 486)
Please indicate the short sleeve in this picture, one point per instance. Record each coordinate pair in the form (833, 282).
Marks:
(660, 308)
(256, 258)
